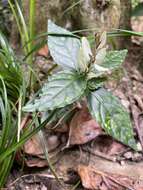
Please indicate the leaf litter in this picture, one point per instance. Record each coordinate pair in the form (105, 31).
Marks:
(91, 156)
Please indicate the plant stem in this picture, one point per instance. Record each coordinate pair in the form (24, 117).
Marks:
(32, 18)
(31, 36)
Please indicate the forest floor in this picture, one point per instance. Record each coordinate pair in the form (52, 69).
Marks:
(82, 155)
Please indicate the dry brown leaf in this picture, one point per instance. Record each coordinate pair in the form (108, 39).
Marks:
(98, 180)
(33, 146)
(43, 51)
(107, 145)
(89, 179)
(36, 162)
(83, 128)
(35, 181)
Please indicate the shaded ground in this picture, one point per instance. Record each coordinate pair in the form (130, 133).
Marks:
(82, 155)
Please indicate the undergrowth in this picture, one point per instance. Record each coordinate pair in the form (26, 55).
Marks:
(83, 74)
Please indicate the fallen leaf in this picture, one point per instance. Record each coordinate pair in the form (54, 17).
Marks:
(98, 180)
(83, 128)
(35, 181)
(34, 145)
(35, 152)
(43, 51)
(36, 162)
(108, 146)
(89, 179)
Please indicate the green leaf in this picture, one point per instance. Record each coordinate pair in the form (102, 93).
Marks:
(95, 83)
(114, 59)
(110, 67)
(62, 89)
(122, 32)
(10, 70)
(112, 116)
(64, 50)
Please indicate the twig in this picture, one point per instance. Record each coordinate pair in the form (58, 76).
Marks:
(36, 175)
(100, 154)
(62, 118)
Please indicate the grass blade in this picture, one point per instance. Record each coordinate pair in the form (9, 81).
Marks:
(25, 137)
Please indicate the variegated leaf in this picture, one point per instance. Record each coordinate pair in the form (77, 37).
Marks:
(64, 50)
(62, 89)
(112, 116)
